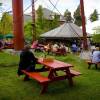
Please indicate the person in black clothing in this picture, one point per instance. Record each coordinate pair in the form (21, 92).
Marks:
(27, 61)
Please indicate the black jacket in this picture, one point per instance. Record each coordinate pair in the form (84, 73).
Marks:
(27, 61)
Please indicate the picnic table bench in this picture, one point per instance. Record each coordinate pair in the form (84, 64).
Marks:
(39, 78)
(44, 81)
(52, 76)
(89, 62)
(60, 52)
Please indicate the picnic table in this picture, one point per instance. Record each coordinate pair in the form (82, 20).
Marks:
(61, 51)
(53, 67)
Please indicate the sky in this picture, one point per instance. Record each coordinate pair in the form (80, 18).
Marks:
(62, 5)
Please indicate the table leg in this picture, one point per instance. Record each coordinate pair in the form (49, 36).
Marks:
(96, 66)
(55, 73)
(69, 76)
(44, 88)
(89, 65)
(51, 74)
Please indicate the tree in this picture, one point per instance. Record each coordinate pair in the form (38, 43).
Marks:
(67, 15)
(43, 24)
(94, 16)
(40, 18)
(6, 23)
(55, 22)
(77, 17)
(96, 38)
(28, 31)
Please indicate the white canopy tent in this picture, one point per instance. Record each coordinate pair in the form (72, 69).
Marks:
(91, 26)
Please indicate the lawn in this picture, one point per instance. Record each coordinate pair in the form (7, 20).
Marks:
(86, 86)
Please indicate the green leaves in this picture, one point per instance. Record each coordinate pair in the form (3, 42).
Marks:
(6, 23)
(28, 31)
(96, 38)
(67, 15)
(77, 17)
(94, 16)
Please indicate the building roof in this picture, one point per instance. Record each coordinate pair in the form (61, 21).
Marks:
(48, 14)
(67, 30)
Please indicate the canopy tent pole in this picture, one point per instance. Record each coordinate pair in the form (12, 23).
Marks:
(17, 6)
(83, 25)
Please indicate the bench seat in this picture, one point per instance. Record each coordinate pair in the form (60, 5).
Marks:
(91, 63)
(60, 53)
(75, 73)
(37, 76)
(42, 79)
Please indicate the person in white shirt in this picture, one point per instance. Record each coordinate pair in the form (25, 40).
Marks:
(96, 55)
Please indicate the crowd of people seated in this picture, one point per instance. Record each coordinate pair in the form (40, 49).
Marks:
(56, 48)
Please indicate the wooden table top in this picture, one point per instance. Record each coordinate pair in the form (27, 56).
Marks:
(54, 64)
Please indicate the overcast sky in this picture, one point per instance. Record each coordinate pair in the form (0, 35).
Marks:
(62, 5)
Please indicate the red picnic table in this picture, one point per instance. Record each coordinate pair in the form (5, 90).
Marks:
(56, 65)
(53, 67)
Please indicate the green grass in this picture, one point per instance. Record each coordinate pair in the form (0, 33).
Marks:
(86, 86)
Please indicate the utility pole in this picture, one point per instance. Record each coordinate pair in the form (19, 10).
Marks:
(83, 25)
(18, 26)
(33, 21)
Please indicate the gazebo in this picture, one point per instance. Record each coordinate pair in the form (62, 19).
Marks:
(66, 31)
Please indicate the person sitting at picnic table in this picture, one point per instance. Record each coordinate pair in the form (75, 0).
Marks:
(96, 55)
(34, 44)
(55, 47)
(27, 61)
(47, 48)
(62, 48)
